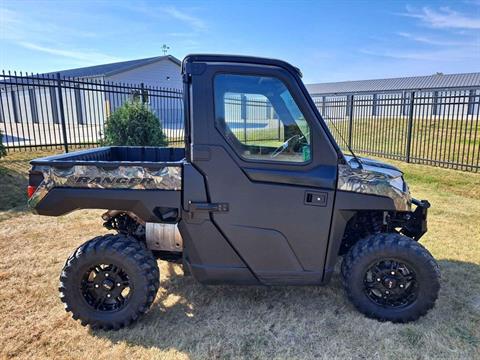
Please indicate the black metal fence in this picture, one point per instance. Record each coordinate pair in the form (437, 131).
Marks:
(45, 111)
(436, 127)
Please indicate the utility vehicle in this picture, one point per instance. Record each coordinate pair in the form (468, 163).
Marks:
(237, 210)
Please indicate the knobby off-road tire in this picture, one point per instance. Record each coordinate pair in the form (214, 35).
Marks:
(391, 277)
(109, 282)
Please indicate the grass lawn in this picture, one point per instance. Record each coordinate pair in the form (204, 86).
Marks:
(191, 321)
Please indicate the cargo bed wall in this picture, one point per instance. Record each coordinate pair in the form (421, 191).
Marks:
(144, 180)
(113, 154)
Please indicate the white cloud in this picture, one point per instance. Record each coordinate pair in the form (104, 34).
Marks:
(185, 16)
(7, 16)
(86, 57)
(452, 54)
(180, 34)
(459, 43)
(431, 41)
(473, 2)
(193, 21)
(443, 18)
(10, 24)
(48, 38)
(15, 26)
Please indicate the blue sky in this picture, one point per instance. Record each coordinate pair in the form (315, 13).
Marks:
(328, 40)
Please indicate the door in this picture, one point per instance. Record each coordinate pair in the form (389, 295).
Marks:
(263, 153)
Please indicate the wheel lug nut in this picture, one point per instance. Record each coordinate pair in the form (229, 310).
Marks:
(387, 292)
(393, 273)
(108, 295)
(106, 275)
(401, 285)
(378, 279)
(96, 285)
(118, 284)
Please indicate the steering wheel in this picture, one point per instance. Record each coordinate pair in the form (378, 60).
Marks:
(286, 145)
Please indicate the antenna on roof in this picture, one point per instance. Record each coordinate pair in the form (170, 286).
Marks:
(165, 48)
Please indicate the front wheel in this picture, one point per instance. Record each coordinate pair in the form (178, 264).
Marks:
(109, 282)
(390, 277)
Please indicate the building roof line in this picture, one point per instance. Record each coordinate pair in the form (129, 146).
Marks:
(430, 82)
(113, 68)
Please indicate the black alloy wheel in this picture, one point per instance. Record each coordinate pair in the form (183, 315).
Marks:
(391, 277)
(391, 283)
(109, 282)
(106, 287)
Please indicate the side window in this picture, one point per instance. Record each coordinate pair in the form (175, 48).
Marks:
(260, 119)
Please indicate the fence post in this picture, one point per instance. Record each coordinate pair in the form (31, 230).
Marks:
(404, 103)
(243, 115)
(350, 121)
(62, 112)
(435, 103)
(471, 102)
(143, 94)
(410, 126)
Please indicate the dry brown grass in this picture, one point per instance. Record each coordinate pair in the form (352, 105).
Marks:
(192, 321)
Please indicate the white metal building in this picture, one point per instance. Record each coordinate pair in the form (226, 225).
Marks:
(434, 94)
(160, 71)
(29, 106)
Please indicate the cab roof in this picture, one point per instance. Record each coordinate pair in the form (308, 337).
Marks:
(240, 59)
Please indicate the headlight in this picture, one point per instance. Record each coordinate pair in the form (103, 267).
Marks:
(398, 183)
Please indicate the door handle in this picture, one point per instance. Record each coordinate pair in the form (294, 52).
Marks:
(210, 207)
(316, 198)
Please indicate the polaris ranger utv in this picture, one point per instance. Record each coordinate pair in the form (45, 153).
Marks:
(235, 210)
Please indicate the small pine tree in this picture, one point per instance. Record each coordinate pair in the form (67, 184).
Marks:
(134, 124)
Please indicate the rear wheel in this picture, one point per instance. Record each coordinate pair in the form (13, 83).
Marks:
(390, 277)
(109, 281)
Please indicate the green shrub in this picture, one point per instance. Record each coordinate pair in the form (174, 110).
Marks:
(3, 152)
(134, 124)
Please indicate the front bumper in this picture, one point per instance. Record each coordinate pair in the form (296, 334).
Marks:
(415, 222)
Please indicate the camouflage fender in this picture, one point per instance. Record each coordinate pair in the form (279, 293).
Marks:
(372, 182)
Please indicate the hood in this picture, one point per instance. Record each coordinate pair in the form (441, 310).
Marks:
(374, 165)
(376, 178)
